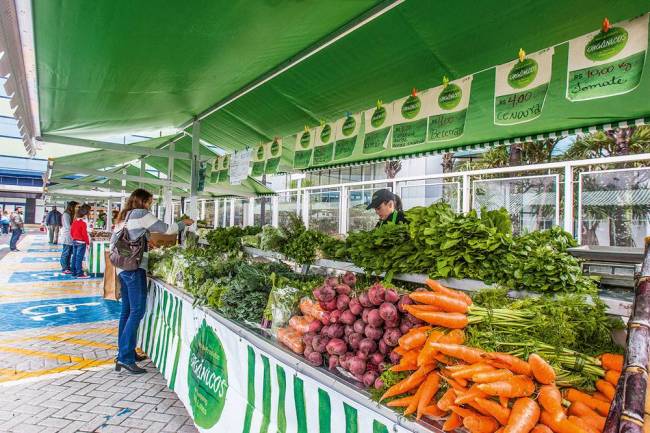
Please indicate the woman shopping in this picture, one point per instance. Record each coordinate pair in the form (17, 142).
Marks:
(134, 224)
(388, 207)
(66, 239)
(80, 242)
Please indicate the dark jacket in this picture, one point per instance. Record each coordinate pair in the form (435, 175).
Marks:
(53, 218)
(396, 217)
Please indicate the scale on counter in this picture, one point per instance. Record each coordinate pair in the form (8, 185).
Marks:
(614, 265)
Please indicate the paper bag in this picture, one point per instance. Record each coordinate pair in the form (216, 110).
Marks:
(111, 281)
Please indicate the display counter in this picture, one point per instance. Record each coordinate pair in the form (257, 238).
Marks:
(96, 257)
(236, 378)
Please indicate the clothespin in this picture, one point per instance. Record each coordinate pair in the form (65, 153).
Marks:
(414, 92)
(606, 25)
(521, 54)
(379, 103)
(445, 81)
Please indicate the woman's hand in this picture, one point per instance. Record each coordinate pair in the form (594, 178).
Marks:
(188, 221)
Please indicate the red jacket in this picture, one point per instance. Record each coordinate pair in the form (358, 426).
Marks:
(79, 231)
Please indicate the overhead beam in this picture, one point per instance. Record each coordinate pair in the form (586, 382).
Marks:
(330, 39)
(104, 145)
(119, 176)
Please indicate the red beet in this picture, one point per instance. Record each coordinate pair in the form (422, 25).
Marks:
(365, 300)
(357, 365)
(394, 357)
(379, 383)
(325, 320)
(342, 302)
(369, 378)
(391, 336)
(391, 296)
(348, 330)
(374, 318)
(367, 346)
(343, 289)
(383, 347)
(327, 294)
(333, 362)
(405, 326)
(404, 300)
(373, 332)
(364, 314)
(336, 331)
(355, 306)
(315, 358)
(349, 278)
(376, 358)
(335, 316)
(359, 326)
(354, 340)
(331, 281)
(388, 312)
(336, 346)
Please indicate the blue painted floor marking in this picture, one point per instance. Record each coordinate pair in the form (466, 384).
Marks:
(37, 276)
(48, 259)
(57, 312)
(44, 250)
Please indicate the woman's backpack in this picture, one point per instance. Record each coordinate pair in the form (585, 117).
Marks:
(127, 253)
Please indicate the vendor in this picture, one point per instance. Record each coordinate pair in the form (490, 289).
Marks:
(388, 207)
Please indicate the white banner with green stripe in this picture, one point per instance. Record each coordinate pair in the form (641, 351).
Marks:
(96, 259)
(230, 385)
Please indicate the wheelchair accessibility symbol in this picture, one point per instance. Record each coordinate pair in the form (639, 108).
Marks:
(41, 312)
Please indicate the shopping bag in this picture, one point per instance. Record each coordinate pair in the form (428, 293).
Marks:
(111, 281)
(42, 228)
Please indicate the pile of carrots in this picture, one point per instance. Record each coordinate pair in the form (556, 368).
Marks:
(487, 392)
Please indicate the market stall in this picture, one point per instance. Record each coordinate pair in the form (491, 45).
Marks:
(99, 244)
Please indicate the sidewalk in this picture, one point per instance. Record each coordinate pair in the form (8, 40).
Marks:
(57, 345)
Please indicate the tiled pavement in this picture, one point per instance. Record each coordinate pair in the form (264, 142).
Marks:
(56, 370)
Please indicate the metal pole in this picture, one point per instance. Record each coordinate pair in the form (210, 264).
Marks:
(123, 200)
(467, 204)
(194, 169)
(568, 199)
(167, 191)
(143, 170)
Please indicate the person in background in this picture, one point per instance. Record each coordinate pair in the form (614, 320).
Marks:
(17, 226)
(66, 220)
(4, 222)
(388, 207)
(80, 241)
(139, 221)
(101, 221)
(53, 223)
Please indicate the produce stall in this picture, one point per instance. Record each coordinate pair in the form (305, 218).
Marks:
(99, 243)
(371, 352)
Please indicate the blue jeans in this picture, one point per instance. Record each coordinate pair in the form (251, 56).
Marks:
(78, 253)
(5, 229)
(66, 255)
(15, 235)
(134, 303)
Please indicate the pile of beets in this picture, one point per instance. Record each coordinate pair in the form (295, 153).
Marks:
(358, 333)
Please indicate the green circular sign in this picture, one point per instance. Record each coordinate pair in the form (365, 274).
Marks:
(523, 73)
(325, 133)
(207, 377)
(348, 126)
(450, 96)
(304, 139)
(411, 107)
(260, 152)
(606, 44)
(378, 117)
(275, 148)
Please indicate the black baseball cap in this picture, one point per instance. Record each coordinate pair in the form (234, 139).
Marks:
(379, 197)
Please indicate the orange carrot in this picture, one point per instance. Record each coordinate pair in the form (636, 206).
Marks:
(403, 367)
(462, 411)
(437, 287)
(447, 399)
(503, 401)
(582, 424)
(495, 409)
(574, 395)
(612, 376)
(512, 363)
(600, 396)
(409, 383)
(431, 386)
(523, 416)
(541, 428)
(442, 359)
(427, 352)
(480, 424)
(606, 388)
(400, 350)
(437, 318)
(433, 411)
(425, 307)
(542, 371)
(408, 361)
(400, 402)
(454, 421)
(492, 376)
(612, 361)
(580, 409)
(478, 408)
(561, 426)
(412, 407)
(471, 370)
(458, 351)
(441, 301)
(415, 338)
(550, 398)
(470, 395)
(517, 386)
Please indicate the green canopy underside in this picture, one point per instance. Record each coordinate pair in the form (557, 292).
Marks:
(162, 70)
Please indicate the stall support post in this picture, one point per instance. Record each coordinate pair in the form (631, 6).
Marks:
(109, 214)
(196, 146)
(467, 203)
(216, 213)
(167, 192)
(344, 214)
(275, 210)
(251, 212)
(568, 199)
(202, 209)
(123, 199)
(305, 207)
(143, 170)
(231, 221)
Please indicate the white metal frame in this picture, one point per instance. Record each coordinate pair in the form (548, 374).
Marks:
(557, 189)
(579, 201)
(402, 185)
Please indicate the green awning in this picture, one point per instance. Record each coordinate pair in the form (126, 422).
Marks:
(159, 64)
